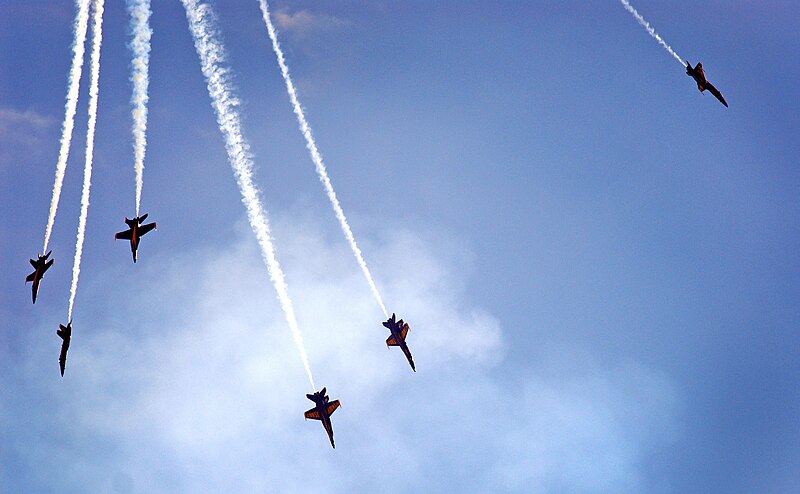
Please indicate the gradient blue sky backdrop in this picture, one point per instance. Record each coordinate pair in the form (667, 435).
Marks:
(599, 264)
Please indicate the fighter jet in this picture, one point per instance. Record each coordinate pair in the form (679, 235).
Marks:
(135, 231)
(699, 76)
(322, 411)
(399, 330)
(66, 334)
(40, 266)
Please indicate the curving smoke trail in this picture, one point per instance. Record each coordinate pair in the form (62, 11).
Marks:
(316, 157)
(140, 64)
(650, 30)
(207, 42)
(97, 40)
(73, 89)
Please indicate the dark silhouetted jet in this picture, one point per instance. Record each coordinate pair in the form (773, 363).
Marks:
(399, 330)
(322, 411)
(135, 231)
(66, 334)
(699, 77)
(40, 266)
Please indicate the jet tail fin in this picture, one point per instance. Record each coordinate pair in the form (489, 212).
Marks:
(64, 332)
(388, 323)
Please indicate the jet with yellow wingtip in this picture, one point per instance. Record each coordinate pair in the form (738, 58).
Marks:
(399, 330)
(322, 411)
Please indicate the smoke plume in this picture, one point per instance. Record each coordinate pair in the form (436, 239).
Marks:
(140, 66)
(650, 30)
(208, 43)
(73, 89)
(97, 40)
(317, 158)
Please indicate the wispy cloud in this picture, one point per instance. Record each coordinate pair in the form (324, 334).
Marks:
(22, 121)
(304, 22)
(205, 394)
(22, 132)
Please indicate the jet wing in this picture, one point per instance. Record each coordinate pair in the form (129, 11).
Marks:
(146, 228)
(716, 93)
(332, 406)
(126, 235)
(404, 332)
(31, 277)
(313, 414)
(392, 341)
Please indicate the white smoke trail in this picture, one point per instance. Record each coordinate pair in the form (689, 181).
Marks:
(97, 40)
(316, 157)
(73, 89)
(650, 30)
(207, 42)
(140, 64)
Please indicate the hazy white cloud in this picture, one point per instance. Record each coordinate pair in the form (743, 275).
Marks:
(304, 22)
(22, 132)
(10, 118)
(188, 381)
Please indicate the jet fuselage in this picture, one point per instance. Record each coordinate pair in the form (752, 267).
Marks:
(40, 266)
(322, 408)
(401, 342)
(65, 333)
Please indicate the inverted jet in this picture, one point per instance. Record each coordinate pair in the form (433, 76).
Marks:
(40, 266)
(135, 231)
(699, 77)
(399, 330)
(65, 332)
(322, 411)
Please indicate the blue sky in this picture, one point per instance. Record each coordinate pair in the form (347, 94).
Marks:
(598, 262)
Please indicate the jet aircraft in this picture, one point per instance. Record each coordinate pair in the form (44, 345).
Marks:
(699, 76)
(66, 334)
(135, 231)
(322, 411)
(399, 330)
(40, 266)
